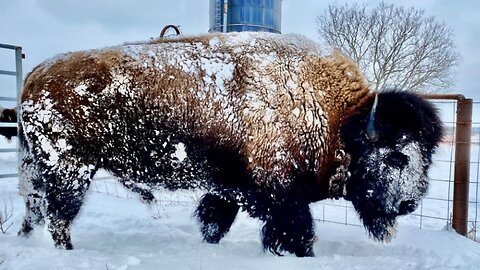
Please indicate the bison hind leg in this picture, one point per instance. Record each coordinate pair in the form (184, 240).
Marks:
(34, 205)
(215, 215)
(32, 188)
(66, 189)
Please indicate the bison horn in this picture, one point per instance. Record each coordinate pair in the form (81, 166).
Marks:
(371, 130)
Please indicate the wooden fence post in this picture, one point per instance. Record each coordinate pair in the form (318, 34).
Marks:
(461, 182)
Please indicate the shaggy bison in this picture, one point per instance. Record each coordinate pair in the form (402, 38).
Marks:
(264, 123)
(8, 116)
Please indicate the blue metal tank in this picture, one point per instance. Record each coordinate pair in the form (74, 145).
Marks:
(246, 15)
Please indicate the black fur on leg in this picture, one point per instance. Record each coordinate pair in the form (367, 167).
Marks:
(60, 231)
(61, 210)
(215, 215)
(26, 229)
(289, 227)
(64, 199)
(34, 215)
(32, 187)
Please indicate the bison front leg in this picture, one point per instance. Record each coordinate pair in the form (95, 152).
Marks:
(215, 215)
(289, 227)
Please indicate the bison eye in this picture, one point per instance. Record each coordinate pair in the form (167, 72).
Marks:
(407, 207)
(397, 160)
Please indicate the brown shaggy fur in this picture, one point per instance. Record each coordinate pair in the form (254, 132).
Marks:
(323, 90)
(275, 102)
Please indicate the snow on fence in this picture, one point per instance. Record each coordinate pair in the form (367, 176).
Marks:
(452, 200)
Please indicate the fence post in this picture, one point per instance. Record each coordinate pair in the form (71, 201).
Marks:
(19, 70)
(462, 166)
(19, 78)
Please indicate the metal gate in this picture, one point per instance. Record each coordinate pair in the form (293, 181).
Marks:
(15, 94)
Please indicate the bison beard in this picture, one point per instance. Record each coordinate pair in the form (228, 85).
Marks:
(264, 123)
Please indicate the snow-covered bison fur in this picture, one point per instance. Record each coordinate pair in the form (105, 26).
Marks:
(264, 123)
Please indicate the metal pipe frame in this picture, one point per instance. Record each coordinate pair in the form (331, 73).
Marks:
(18, 73)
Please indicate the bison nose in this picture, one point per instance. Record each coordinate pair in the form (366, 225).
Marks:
(397, 160)
(406, 207)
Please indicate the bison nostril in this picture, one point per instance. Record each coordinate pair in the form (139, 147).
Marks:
(407, 207)
(397, 159)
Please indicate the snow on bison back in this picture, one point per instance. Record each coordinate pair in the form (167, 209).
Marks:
(266, 123)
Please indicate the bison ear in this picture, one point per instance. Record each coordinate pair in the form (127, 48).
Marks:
(400, 113)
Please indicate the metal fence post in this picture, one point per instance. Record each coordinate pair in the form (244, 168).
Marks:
(462, 166)
(19, 70)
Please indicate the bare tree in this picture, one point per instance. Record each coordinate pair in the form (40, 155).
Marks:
(396, 47)
(6, 215)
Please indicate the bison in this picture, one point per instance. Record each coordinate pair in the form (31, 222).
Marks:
(8, 116)
(264, 123)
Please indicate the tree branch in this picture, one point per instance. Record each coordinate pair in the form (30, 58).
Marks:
(395, 46)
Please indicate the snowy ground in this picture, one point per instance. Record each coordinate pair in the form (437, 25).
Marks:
(116, 231)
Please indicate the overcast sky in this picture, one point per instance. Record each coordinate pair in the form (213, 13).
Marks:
(48, 27)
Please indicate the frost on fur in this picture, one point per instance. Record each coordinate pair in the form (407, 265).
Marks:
(258, 120)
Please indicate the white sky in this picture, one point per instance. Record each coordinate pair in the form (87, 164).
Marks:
(48, 27)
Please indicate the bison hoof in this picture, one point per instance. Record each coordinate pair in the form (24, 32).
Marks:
(212, 233)
(305, 253)
(147, 197)
(66, 246)
(26, 229)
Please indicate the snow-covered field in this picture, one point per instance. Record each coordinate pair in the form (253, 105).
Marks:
(116, 231)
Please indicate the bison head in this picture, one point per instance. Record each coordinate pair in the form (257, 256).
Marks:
(391, 141)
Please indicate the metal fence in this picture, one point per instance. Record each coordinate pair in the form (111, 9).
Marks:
(15, 52)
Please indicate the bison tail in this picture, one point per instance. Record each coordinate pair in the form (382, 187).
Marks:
(22, 140)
